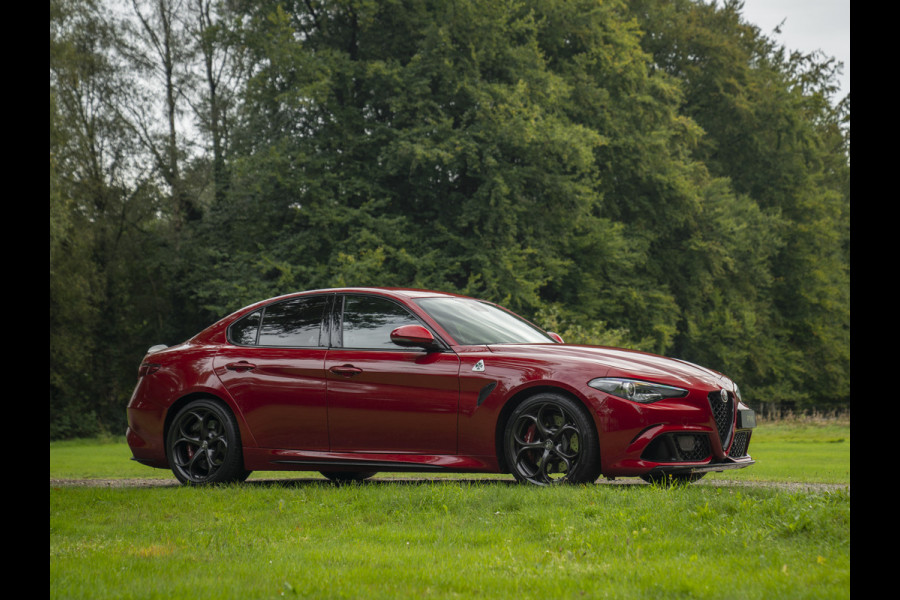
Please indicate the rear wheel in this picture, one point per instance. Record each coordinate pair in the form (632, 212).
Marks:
(550, 439)
(344, 477)
(204, 445)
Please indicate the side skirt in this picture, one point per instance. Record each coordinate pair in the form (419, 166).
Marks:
(263, 459)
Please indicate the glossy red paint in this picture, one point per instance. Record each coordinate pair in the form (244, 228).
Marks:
(413, 335)
(426, 401)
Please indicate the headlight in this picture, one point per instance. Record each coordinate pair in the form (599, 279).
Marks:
(737, 392)
(638, 391)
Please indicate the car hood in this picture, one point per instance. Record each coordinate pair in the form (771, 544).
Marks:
(620, 363)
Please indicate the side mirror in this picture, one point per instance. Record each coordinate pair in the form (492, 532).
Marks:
(414, 336)
(556, 337)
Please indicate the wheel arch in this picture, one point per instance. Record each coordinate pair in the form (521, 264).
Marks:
(518, 398)
(183, 401)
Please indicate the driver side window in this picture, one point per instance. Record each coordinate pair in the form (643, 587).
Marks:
(369, 320)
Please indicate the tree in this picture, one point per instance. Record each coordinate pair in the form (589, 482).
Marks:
(418, 144)
(651, 173)
(772, 129)
(99, 196)
(222, 72)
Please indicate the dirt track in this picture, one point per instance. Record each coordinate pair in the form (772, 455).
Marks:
(301, 481)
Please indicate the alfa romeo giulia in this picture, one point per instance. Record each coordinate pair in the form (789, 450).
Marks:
(351, 382)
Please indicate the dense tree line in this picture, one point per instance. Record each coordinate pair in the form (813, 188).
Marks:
(656, 174)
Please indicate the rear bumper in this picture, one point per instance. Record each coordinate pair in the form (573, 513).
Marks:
(141, 431)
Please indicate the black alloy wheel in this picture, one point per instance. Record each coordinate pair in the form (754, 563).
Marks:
(204, 445)
(550, 439)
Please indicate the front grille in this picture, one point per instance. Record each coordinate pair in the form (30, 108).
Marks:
(678, 447)
(724, 415)
(741, 444)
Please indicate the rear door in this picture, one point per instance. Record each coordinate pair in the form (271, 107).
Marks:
(275, 371)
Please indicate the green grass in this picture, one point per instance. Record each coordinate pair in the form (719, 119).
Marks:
(451, 538)
(447, 539)
(800, 450)
(100, 458)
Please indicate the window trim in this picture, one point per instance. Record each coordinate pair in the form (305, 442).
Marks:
(230, 339)
(331, 325)
(338, 321)
(326, 310)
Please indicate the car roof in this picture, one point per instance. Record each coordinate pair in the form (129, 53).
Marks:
(389, 291)
(217, 329)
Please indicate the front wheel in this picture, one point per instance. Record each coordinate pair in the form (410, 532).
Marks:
(550, 439)
(204, 445)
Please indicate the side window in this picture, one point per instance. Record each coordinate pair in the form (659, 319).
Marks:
(295, 323)
(243, 332)
(368, 322)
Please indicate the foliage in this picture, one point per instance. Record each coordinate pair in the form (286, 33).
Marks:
(99, 200)
(654, 174)
(772, 129)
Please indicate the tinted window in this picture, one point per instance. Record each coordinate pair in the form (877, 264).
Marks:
(244, 331)
(293, 323)
(471, 322)
(368, 322)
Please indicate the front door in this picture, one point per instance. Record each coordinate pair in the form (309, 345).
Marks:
(384, 398)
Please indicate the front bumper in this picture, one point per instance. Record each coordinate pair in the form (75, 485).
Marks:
(713, 467)
(696, 434)
(734, 433)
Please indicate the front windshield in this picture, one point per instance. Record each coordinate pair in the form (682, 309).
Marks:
(473, 323)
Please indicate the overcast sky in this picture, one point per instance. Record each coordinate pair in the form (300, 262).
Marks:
(808, 25)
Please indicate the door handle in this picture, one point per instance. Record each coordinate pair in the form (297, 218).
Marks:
(240, 366)
(346, 370)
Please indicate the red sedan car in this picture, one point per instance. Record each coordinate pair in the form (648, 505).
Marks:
(350, 382)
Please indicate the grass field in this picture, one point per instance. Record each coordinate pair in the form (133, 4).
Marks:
(457, 538)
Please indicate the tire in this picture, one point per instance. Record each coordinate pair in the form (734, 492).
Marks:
(550, 439)
(672, 478)
(348, 476)
(204, 445)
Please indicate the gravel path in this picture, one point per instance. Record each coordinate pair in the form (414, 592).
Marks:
(299, 481)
